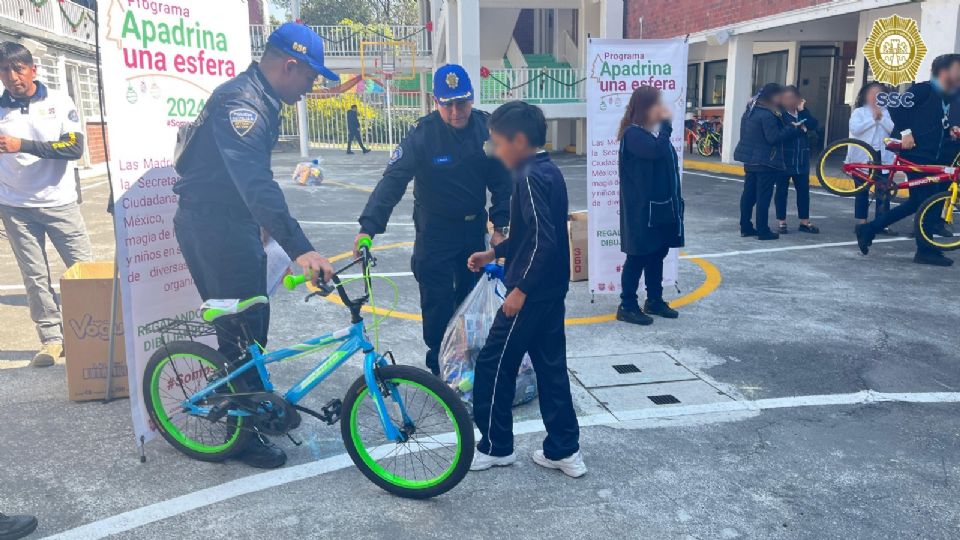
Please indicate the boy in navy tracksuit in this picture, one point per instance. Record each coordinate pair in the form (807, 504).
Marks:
(537, 276)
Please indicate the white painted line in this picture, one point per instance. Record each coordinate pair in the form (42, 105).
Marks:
(786, 248)
(375, 274)
(266, 480)
(21, 287)
(741, 180)
(91, 186)
(353, 223)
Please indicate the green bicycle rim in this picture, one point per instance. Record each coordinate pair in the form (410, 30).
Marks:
(378, 469)
(173, 430)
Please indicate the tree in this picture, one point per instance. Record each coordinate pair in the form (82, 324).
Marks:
(331, 12)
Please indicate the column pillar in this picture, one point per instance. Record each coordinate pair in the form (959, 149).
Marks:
(468, 27)
(737, 91)
(940, 29)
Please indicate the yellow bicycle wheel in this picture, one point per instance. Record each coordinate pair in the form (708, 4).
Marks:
(830, 168)
(936, 219)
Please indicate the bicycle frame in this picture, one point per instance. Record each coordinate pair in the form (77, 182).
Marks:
(936, 173)
(352, 339)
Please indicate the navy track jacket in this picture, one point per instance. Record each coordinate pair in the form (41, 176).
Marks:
(538, 249)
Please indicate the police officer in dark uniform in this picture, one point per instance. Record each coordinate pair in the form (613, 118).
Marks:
(445, 152)
(227, 194)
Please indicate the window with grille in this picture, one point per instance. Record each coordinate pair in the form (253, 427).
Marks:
(48, 72)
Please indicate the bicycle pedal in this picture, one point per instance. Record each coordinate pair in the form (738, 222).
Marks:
(331, 411)
(219, 410)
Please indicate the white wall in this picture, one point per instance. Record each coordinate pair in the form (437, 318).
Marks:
(496, 32)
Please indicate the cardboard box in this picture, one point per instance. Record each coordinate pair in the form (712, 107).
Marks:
(85, 293)
(578, 232)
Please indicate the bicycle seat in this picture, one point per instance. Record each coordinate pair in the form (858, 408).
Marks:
(214, 309)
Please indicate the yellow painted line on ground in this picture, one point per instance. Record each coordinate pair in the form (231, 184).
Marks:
(349, 186)
(711, 283)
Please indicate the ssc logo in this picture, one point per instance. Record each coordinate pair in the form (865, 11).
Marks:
(396, 155)
(242, 120)
(895, 49)
(894, 100)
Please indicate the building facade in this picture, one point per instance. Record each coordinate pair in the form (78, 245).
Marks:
(738, 45)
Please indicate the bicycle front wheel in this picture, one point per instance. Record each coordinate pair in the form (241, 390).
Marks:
(705, 147)
(437, 443)
(830, 168)
(934, 219)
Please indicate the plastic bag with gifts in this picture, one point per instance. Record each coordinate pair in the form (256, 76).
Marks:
(308, 173)
(467, 333)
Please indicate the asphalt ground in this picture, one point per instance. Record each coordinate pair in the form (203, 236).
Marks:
(834, 411)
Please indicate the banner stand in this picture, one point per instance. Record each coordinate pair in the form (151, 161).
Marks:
(114, 296)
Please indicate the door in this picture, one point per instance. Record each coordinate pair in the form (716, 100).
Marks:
(815, 81)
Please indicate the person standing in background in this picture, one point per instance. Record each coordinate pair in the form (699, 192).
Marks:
(40, 133)
(651, 206)
(763, 132)
(870, 123)
(353, 129)
(798, 163)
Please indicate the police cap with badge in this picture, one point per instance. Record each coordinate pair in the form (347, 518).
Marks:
(451, 83)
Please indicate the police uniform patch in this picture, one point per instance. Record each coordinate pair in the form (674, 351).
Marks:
(396, 155)
(242, 120)
(73, 116)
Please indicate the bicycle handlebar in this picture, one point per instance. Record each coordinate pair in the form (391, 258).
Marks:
(291, 282)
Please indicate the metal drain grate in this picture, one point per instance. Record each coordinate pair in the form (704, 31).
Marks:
(666, 399)
(623, 369)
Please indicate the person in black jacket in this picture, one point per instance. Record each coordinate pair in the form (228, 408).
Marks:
(445, 152)
(353, 130)
(651, 207)
(763, 132)
(797, 157)
(537, 276)
(927, 139)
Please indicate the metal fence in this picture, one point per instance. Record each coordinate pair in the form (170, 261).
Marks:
(342, 40)
(534, 85)
(327, 118)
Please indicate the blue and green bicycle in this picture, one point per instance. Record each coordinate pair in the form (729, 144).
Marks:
(403, 428)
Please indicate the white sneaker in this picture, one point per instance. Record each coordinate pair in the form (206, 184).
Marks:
(572, 466)
(482, 462)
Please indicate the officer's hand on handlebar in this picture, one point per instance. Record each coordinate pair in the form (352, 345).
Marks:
(478, 260)
(356, 243)
(315, 266)
(907, 142)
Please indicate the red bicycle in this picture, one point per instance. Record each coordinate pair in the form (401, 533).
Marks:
(859, 175)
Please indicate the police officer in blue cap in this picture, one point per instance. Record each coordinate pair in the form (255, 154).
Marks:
(228, 194)
(445, 153)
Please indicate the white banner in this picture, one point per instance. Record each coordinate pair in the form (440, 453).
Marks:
(617, 67)
(160, 63)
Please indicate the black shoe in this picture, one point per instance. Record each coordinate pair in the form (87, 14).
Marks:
(351, 152)
(263, 454)
(767, 235)
(934, 259)
(865, 237)
(660, 309)
(633, 316)
(13, 527)
(811, 229)
(748, 232)
(783, 229)
(366, 150)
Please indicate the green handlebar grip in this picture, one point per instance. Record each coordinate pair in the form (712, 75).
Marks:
(364, 242)
(291, 281)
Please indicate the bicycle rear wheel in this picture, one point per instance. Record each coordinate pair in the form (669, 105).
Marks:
(930, 219)
(439, 444)
(174, 373)
(844, 184)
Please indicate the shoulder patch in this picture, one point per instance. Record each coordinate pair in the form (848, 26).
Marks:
(396, 155)
(242, 120)
(73, 116)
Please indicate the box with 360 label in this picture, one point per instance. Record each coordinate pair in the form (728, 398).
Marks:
(85, 293)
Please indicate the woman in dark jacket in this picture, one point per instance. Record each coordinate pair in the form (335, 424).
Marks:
(651, 208)
(797, 158)
(763, 131)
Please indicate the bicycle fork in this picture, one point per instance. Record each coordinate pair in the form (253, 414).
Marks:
(947, 212)
(371, 363)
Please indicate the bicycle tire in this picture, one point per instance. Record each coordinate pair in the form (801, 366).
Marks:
(935, 204)
(455, 411)
(846, 186)
(705, 147)
(235, 435)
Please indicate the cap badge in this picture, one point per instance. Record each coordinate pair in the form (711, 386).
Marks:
(302, 49)
(452, 80)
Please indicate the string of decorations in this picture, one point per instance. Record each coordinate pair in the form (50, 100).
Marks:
(367, 31)
(74, 24)
(544, 74)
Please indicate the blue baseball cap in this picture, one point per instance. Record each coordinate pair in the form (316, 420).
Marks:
(302, 43)
(451, 83)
